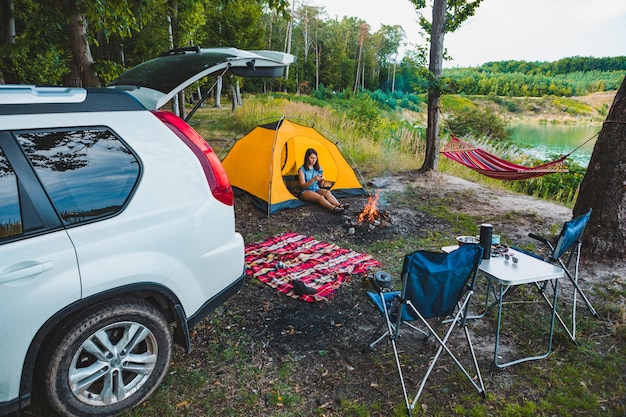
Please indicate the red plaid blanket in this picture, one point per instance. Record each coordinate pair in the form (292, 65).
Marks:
(322, 266)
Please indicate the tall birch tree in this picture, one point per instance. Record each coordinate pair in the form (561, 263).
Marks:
(364, 29)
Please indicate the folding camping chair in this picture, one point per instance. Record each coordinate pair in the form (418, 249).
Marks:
(434, 286)
(562, 253)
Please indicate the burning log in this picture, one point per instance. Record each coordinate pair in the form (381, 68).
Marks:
(370, 211)
(371, 216)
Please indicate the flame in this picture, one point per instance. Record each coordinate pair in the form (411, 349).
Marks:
(369, 212)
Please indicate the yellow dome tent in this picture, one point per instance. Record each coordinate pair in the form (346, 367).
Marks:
(265, 162)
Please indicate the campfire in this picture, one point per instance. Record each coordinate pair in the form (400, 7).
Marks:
(371, 216)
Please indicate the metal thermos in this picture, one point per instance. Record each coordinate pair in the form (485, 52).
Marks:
(486, 232)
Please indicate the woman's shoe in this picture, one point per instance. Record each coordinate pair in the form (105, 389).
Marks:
(337, 210)
(345, 206)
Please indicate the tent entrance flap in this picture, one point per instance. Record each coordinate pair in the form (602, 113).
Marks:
(265, 162)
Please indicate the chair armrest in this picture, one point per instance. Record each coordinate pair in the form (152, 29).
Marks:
(539, 238)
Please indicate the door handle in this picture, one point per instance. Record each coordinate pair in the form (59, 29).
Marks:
(26, 271)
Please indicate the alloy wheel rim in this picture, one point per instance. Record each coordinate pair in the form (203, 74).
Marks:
(113, 363)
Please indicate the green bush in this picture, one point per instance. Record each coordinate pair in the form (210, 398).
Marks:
(386, 101)
(322, 93)
(478, 123)
(453, 103)
(108, 71)
(366, 113)
(511, 106)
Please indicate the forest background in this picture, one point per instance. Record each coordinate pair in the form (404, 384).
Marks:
(341, 56)
(340, 63)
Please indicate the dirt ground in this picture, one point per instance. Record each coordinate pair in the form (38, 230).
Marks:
(296, 331)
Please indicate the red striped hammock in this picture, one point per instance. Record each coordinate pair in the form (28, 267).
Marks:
(490, 165)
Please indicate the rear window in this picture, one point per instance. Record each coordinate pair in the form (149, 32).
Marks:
(10, 216)
(88, 173)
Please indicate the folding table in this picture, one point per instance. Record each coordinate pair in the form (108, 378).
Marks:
(504, 274)
(527, 270)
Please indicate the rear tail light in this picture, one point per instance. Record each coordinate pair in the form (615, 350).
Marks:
(213, 169)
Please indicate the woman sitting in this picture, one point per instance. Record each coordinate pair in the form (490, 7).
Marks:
(310, 176)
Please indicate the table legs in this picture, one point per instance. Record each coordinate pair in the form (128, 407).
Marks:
(502, 291)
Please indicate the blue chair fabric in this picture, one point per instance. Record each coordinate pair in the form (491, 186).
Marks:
(436, 281)
(570, 234)
(438, 286)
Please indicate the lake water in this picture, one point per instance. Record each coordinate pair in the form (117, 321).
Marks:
(547, 140)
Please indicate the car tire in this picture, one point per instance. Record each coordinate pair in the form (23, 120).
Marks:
(107, 360)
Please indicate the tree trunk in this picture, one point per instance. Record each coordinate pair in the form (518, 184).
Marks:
(7, 14)
(238, 94)
(318, 54)
(317, 66)
(199, 95)
(82, 72)
(218, 93)
(358, 69)
(434, 93)
(182, 110)
(233, 95)
(288, 38)
(363, 31)
(271, 30)
(604, 187)
(305, 31)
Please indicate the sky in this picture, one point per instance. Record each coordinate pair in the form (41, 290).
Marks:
(529, 30)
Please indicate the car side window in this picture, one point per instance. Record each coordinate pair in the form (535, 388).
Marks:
(88, 173)
(10, 215)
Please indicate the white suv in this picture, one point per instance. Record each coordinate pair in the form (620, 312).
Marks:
(117, 235)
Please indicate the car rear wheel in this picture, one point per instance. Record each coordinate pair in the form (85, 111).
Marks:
(108, 359)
